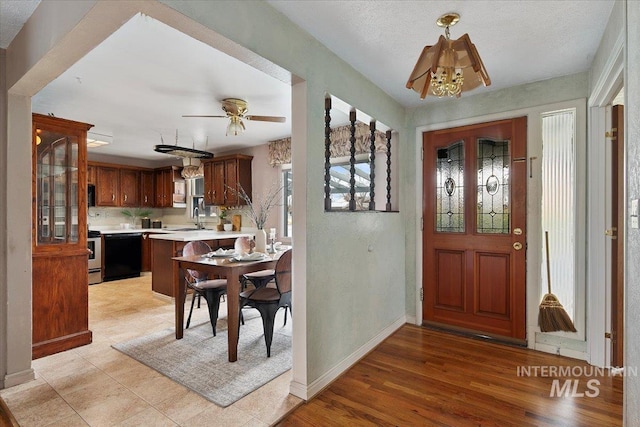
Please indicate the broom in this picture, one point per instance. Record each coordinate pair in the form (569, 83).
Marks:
(552, 316)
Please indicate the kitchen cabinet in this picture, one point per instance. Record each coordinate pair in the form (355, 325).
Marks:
(146, 252)
(107, 186)
(129, 188)
(60, 291)
(170, 188)
(162, 267)
(214, 183)
(91, 174)
(164, 187)
(122, 186)
(147, 188)
(224, 174)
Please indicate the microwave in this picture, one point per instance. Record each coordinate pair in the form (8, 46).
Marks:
(91, 195)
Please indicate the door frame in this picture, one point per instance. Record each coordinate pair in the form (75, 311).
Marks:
(534, 232)
(605, 90)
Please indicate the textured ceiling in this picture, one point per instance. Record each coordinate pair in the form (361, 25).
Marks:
(136, 85)
(13, 15)
(167, 73)
(518, 41)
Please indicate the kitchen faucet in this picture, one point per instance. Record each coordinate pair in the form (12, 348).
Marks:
(196, 215)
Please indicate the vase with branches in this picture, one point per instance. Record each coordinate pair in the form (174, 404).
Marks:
(258, 209)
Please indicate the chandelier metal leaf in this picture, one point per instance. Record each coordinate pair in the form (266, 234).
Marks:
(449, 67)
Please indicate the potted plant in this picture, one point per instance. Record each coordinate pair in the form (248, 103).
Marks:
(135, 213)
(222, 215)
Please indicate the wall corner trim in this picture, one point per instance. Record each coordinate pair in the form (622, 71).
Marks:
(19, 378)
(318, 385)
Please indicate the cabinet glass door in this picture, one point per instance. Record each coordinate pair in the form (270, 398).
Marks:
(57, 184)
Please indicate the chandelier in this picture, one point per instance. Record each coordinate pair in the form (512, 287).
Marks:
(449, 67)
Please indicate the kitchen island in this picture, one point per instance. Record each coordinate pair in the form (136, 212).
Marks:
(166, 246)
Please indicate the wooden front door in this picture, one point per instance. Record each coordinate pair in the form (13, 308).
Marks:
(474, 238)
(617, 227)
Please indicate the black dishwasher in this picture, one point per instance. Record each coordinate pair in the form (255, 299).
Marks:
(122, 255)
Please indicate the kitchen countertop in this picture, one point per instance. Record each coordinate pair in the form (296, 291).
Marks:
(190, 236)
(131, 230)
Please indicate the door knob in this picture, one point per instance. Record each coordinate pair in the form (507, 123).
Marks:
(517, 246)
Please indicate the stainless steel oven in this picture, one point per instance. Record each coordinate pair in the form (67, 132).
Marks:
(94, 243)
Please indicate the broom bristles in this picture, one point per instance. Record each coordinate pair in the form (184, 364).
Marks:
(552, 316)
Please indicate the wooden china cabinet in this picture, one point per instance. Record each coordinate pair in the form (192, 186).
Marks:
(60, 291)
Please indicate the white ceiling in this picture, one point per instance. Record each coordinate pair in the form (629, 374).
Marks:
(136, 85)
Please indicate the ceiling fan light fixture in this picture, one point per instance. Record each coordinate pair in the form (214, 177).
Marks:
(449, 67)
(236, 127)
(236, 110)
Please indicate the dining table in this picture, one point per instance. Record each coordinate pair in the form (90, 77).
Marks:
(227, 267)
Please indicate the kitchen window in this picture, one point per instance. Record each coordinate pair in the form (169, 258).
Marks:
(287, 211)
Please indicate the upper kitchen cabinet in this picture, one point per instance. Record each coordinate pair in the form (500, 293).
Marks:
(170, 188)
(164, 187)
(147, 188)
(107, 186)
(225, 174)
(91, 174)
(130, 187)
(59, 252)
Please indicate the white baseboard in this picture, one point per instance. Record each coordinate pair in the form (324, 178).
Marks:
(298, 390)
(19, 378)
(574, 354)
(307, 392)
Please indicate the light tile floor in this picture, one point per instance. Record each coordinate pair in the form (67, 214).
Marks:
(98, 386)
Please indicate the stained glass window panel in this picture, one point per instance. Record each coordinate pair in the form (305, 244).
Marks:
(450, 188)
(493, 186)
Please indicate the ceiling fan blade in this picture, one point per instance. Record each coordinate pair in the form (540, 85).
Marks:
(222, 117)
(265, 118)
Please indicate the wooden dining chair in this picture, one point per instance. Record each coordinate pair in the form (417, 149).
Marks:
(201, 285)
(269, 300)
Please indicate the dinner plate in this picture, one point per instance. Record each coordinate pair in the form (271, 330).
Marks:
(221, 254)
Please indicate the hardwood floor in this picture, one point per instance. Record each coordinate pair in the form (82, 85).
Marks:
(422, 377)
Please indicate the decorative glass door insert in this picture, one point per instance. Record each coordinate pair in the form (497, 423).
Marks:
(57, 188)
(492, 210)
(450, 188)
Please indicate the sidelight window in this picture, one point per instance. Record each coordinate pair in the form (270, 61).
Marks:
(559, 204)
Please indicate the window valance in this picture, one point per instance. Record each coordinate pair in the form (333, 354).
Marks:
(280, 149)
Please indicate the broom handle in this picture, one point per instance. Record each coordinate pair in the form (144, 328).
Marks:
(546, 244)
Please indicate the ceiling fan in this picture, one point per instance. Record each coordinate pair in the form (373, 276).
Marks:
(236, 110)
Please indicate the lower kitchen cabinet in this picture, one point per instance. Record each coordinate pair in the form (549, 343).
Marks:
(162, 266)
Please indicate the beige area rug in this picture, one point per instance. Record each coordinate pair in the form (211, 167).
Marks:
(199, 361)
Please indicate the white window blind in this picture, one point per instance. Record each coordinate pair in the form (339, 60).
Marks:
(559, 205)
